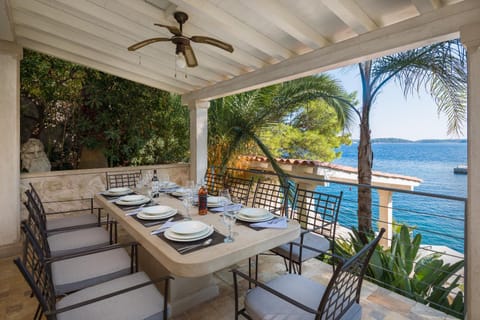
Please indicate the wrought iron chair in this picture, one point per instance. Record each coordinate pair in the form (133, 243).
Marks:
(123, 179)
(133, 296)
(293, 296)
(273, 197)
(214, 182)
(72, 239)
(79, 270)
(84, 217)
(239, 188)
(317, 214)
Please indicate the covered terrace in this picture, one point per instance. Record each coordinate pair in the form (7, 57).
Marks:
(274, 41)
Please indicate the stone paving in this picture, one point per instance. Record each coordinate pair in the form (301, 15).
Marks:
(378, 303)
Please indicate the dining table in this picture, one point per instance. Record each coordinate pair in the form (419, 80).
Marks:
(192, 271)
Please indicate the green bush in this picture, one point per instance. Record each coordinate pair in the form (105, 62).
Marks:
(399, 268)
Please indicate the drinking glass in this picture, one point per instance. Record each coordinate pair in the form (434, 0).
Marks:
(164, 180)
(187, 203)
(229, 217)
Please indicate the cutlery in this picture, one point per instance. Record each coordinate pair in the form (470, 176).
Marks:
(191, 247)
(163, 228)
(149, 224)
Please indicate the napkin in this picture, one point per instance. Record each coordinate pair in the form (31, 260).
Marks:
(275, 223)
(164, 227)
(232, 207)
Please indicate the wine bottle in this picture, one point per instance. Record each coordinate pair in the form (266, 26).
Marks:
(202, 200)
(155, 185)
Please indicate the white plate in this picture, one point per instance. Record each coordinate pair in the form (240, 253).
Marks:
(216, 200)
(169, 214)
(169, 234)
(156, 210)
(189, 227)
(253, 212)
(260, 219)
(117, 191)
(132, 203)
(132, 198)
(168, 185)
(179, 192)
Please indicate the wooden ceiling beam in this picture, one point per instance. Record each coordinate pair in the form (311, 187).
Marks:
(439, 25)
(6, 24)
(424, 6)
(282, 18)
(232, 26)
(352, 14)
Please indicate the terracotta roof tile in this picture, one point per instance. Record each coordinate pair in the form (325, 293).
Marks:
(328, 165)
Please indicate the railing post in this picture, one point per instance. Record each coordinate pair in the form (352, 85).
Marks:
(385, 216)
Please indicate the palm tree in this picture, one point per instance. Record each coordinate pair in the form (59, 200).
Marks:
(236, 120)
(440, 69)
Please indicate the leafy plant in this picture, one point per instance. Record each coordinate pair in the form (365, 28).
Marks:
(399, 268)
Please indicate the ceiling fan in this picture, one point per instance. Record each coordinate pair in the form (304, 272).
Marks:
(182, 42)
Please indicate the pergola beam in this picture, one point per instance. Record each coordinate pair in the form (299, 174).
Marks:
(440, 25)
(350, 12)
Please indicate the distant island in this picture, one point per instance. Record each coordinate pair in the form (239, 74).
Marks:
(399, 140)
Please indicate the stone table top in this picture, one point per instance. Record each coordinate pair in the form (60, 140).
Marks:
(248, 242)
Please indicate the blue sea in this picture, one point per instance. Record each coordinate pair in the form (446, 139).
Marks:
(441, 222)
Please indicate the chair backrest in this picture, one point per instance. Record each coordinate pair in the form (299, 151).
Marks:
(36, 224)
(343, 290)
(37, 200)
(239, 188)
(36, 272)
(273, 197)
(317, 211)
(123, 179)
(214, 182)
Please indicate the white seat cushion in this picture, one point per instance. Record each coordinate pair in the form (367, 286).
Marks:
(261, 304)
(78, 240)
(143, 303)
(309, 239)
(71, 221)
(77, 273)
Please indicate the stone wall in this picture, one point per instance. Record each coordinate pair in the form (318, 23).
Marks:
(84, 184)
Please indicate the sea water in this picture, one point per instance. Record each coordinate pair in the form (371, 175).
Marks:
(441, 222)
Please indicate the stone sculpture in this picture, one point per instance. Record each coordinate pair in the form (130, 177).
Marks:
(33, 157)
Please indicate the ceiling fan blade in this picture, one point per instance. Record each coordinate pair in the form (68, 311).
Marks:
(190, 56)
(146, 42)
(172, 29)
(214, 42)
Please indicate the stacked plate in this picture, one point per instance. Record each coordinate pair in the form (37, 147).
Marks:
(180, 192)
(156, 213)
(168, 186)
(132, 200)
(188, 231)
(254, 215)
(213, 201)
(117, 191)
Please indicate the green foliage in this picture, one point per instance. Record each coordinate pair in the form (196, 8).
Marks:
(399, 268)
(310, 132)
(78, 107)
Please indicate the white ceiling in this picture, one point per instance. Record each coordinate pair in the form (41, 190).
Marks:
(273, 40)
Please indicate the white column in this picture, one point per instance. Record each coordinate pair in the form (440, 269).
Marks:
(385, 216)
(470, 36)
(198, 139)
(10, 56)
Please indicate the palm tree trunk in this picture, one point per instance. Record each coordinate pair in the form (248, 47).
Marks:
(364, 213)
(365, 156)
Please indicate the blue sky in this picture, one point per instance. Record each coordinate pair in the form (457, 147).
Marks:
(393, 115)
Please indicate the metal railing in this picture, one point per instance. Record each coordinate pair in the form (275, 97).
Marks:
(439, 219)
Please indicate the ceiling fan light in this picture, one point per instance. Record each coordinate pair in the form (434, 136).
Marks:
(180, 61)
